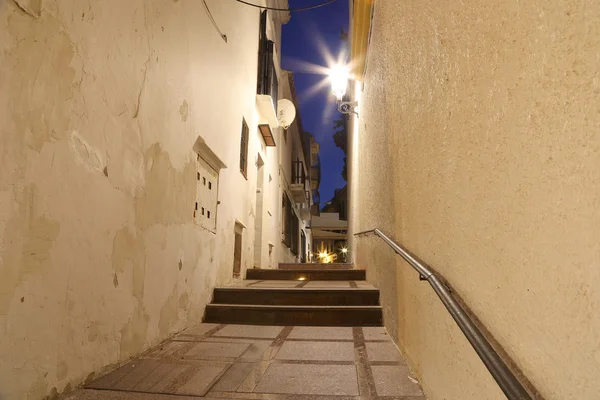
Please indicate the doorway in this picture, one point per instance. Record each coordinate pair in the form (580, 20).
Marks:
(237, 251)
(258, 215)
(303, 247)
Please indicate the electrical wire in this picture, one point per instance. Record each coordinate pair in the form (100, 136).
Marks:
(223, 36)
(286, 9)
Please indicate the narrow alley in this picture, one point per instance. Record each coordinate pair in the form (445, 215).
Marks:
(270, 361)
(299, 199)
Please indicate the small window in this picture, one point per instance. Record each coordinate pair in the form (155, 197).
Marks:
(244, 149)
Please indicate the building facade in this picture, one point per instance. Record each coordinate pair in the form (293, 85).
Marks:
(477, 148)
(140, 166)
(298, 184)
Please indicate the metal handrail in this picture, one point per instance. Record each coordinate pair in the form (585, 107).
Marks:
(508, 382)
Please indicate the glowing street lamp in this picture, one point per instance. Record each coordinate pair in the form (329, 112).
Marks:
(339, 76)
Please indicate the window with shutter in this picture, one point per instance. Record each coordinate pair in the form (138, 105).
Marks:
(244, 149)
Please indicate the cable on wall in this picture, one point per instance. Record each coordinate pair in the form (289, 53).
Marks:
(223, 36)
(286, 9)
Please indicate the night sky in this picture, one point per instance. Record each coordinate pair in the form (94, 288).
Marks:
(300, 44)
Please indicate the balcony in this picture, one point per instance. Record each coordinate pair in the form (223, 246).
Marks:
(267, 90)
(299, 183)
(305, 213)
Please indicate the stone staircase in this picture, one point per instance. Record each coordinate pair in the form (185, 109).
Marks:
(308, 295)
(316, 266)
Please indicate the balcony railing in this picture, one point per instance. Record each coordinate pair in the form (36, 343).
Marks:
(300, 191)
(298, 173)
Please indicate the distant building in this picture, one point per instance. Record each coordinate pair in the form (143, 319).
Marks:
(329, 235)
(338, 203)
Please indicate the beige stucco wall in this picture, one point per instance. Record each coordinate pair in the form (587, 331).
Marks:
(100, 106)
(478, 149)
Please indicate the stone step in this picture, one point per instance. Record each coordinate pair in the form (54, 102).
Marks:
(315, 266)
(297, 296)
(307, 274)
(294, 315)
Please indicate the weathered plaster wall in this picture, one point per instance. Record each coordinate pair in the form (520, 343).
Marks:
(479, 151)
(100, 106)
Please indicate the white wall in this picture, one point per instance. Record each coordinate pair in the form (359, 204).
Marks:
(101, 105)
(289, 149)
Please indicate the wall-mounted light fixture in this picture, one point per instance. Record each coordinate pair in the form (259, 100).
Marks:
(339, 76)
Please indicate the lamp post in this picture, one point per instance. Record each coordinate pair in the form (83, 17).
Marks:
(339, 76)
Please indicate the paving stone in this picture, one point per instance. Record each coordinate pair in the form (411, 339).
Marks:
(199, 330)
(245, 282)
(109, 380)
(383, 352)
(201, 381)
(162, 376)
(252, 331)
(315, 332)
(320, 351)
(168, 349)
(394, 381)
(254, 376)
(88, 394)
(216, 349)
(233, 377)
(328, 284)
(188, 338)
(136, 375)
(375, 333)
(156, 384)
(276, 284)
(258, 350)
(328, 380)
(225, 339)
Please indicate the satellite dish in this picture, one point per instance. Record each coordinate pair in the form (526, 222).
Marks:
(286, 112)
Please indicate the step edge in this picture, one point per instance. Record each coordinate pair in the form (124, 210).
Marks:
(305, 270)
(302, 289)
(284, 307)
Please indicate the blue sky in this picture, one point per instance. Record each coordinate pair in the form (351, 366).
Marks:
(300, 43)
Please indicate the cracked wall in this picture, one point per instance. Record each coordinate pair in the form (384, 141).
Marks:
(478, 149)
(102, 103)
